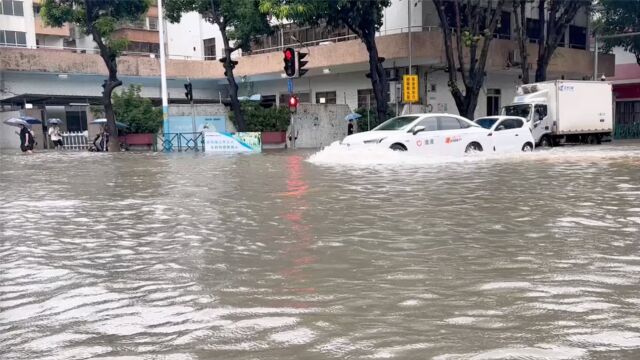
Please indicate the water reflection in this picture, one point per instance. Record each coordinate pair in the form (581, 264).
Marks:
(272, 256)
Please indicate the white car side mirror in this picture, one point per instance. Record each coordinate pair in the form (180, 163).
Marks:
(418, 129)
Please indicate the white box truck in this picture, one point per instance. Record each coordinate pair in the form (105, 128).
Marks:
(565, 111)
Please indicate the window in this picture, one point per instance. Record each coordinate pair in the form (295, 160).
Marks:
(209, 48)
(153, 23)
(448, 123)
(76, 121)
(430, 124)
(540, 110)
(326, 97)
(533, 30)
(397, 123)
(509, 124)
(503, 29)
(11, 7)
(143, 47)
(366, 99)
(493, 102)
(13, 38)
(577, 37)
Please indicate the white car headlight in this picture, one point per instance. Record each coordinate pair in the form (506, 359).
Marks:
(374, 141)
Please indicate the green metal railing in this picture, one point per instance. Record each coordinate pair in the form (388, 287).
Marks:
(169, 142)
(626, 131)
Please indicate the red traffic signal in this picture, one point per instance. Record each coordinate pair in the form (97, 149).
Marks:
(293, 103)
(289, 62)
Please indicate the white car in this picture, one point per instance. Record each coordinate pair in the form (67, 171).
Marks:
(430, 134)
(509, 133)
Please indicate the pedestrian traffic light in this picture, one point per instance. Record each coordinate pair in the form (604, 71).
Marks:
(300, 70)
(189, 91)
(293, 103)
(289, 62)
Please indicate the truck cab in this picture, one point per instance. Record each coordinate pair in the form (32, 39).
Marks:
(537, 115)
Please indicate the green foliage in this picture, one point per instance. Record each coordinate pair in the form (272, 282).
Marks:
(373, 118)
(136, 111)
(262, 119)
(95, 17)
(360, 16)
(241, 19)
(617, 17)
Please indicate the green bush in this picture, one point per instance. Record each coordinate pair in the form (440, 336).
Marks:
(260, 119)
(136, 111)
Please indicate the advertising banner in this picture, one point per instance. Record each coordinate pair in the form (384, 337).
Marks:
(220, 142)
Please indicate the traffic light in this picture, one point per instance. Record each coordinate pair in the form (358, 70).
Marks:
(289, 62)
(189, 93)
(293, 103)
(223, 60)
(300, 70)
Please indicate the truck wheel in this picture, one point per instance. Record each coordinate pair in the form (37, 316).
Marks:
(546, 142)
(592, 140)
(473, 147)
(398, 147)
(528, 147)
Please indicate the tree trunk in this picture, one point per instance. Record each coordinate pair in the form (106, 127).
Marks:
(378, 75)
(520, 16)
(233, 86)
(112, 82)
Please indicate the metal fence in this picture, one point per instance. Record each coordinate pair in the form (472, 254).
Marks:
(627, 131)
(170, 142)
(75, 140)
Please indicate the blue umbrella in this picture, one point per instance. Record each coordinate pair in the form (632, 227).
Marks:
(352, 116)
(103, 121)
(54, 121)
(31, 120)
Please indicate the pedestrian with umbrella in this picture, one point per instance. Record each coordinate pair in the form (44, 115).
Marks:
(54, 133)
(27, 141)
(351, 118)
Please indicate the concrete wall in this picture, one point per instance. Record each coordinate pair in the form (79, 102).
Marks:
(319, 125)
(8, 137)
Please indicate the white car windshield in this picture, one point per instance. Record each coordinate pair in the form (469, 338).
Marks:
(397, 123)
(487, 123)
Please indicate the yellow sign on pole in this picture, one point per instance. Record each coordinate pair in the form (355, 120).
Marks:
(410, 92)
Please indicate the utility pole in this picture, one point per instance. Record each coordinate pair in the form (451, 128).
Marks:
(163, 70)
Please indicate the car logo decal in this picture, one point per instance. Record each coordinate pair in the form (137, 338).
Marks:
(419, 142)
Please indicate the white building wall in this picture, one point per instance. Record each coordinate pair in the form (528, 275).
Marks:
(185, 39)
(24, 23)
(622, 56)
(396, 16)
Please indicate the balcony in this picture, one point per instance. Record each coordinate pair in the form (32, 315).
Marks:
(138, 35)
(42, 29)
(341, 56)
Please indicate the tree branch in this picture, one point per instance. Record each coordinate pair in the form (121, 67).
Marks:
(456, 6)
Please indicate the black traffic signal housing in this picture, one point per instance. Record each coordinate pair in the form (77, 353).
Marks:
(300, 70)
(289, 58)
(223, 60)
(189, 91)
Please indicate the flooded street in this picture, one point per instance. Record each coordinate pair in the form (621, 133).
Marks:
(279, 256)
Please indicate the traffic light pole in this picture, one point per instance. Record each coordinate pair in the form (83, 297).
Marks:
(163, 70)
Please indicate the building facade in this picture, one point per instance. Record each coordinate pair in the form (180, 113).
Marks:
(338, 62)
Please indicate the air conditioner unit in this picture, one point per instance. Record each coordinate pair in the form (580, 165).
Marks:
(513, 58)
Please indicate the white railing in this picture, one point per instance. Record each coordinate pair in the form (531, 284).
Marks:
(75, 140)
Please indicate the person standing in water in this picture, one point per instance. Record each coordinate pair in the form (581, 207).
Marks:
(56, 138)
(26, 139)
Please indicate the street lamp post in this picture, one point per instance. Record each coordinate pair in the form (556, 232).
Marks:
(163, 69)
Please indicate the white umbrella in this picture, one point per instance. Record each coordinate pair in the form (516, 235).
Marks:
(54, 121)
(103, 121)
(17, 122)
